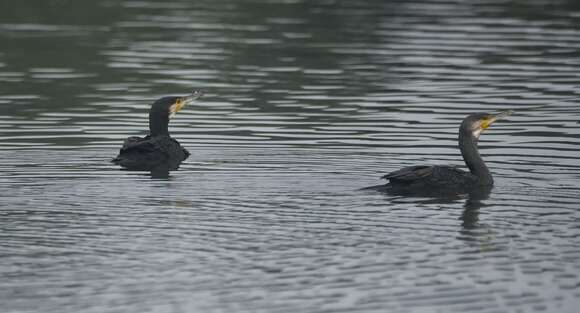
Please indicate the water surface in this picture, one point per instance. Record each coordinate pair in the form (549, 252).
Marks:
(306, 102)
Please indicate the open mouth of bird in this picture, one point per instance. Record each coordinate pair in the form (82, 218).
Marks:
(181, 102)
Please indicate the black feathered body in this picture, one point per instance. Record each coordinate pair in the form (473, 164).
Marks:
(150, 152)
(434, 178)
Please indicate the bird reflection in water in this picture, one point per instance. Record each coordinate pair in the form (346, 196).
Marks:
(471, 230)
(477, 235)
(473, 203)
(157, 152)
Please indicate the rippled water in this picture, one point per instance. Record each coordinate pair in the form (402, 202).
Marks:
(306, 103)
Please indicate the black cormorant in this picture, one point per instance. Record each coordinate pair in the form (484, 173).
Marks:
(157, 149)
(437, 179)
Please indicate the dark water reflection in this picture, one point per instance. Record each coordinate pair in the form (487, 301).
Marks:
(307, 101)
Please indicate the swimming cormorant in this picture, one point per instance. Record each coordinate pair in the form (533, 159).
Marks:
(157, 149)
(437, 179)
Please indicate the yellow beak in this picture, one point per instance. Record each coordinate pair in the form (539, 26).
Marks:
(181, 102)
(493, 118)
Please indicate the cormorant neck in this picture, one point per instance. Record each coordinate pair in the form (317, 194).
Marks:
(468, 147)
(158, 122)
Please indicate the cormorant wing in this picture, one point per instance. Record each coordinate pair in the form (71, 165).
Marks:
(139, 154)
(424, 173)
(138, 144)
(410, 173)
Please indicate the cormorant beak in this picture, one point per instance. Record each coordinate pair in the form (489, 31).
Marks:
(485, 123)
(181, 102)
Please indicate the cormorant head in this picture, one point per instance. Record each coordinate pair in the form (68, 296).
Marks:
(165, 108)
(169, 106)
(475, 124)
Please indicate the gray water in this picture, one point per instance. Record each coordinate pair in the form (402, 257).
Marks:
(306, 102)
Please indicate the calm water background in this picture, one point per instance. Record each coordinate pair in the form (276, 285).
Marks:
(307, 101)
